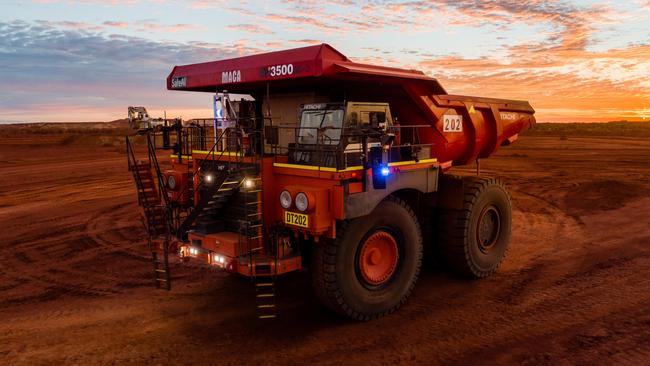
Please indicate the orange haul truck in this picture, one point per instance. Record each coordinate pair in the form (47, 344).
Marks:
(333, 166)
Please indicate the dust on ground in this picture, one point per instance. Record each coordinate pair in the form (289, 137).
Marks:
(76, 281)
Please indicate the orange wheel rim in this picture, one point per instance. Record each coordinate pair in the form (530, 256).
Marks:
(378, 258)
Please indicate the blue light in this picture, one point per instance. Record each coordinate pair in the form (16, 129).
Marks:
(385, 171)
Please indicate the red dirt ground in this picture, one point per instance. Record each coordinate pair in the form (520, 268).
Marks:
(76, 283)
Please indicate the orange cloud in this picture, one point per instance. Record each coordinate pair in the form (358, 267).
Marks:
(114, 24)
(563, 85)
(173, 28)
(251, 28)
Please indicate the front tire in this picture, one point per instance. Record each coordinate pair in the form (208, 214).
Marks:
(474, 240)
(371, 267)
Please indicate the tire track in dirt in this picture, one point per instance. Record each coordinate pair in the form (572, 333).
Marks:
(543, 312)
(65, 263)
(543, 297)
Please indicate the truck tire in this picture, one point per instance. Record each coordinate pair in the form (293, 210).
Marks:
(371, 267)
(473, 240)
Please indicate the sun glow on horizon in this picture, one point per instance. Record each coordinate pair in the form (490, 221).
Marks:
(574, 61)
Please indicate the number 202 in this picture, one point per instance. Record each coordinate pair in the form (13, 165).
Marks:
(452, 124)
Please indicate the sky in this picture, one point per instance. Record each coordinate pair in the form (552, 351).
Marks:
(577, 60)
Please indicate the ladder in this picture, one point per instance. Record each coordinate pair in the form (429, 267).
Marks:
(265, 297)
(155, 215)
(161, 268)
(251, 235)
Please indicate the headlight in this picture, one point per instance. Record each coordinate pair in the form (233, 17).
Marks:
(302, 202)
(249, 183)
(285, 199)
(171, 182)
(208, 178)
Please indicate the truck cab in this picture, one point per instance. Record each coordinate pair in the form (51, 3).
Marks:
(332, 134)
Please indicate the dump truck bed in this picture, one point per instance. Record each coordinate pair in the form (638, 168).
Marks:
(459, 129)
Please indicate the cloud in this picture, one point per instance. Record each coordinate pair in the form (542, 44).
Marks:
(250, 28)
(553, 53)
(70, 25)
(50, 71)
(171, 28)
(304, 42)
(572, 85)
(114, 24)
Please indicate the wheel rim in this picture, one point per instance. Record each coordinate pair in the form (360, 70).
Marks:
(489, 225)
(378, 258)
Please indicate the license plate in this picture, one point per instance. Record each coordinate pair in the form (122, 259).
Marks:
(297, 219)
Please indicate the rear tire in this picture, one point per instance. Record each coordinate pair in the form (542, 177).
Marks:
(371, 267)
(474, 240)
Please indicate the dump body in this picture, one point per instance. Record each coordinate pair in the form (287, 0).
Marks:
(460, 128)
(468, 128)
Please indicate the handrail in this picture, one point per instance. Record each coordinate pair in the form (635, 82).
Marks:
(197, 172)
(162, 189)
(327, 151)
(132, 162)
(211, 151)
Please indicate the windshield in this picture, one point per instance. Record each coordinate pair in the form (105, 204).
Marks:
(328, 121)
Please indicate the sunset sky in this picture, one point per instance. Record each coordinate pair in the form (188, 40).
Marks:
(88, 60)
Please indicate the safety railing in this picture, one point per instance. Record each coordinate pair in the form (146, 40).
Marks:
(143, 198)
(132, 163)
(153, 159)
(342, 148)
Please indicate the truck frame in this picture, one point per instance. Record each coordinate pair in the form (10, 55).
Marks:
(338, 167)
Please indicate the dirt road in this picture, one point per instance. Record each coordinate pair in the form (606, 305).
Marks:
(76, 285)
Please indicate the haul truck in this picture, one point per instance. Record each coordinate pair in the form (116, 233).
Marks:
(333, 166)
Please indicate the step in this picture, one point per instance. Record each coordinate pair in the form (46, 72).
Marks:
(149, 201)
(211, 211)
(218, 200)
(155, 209)
(155, 213)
